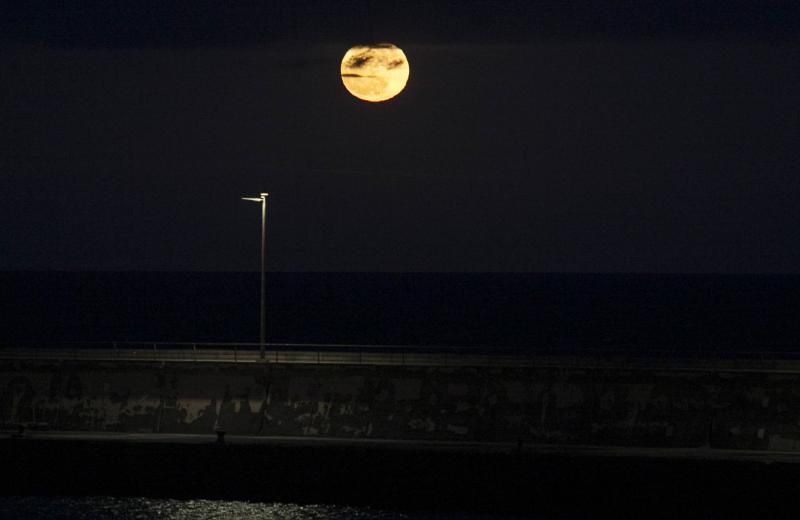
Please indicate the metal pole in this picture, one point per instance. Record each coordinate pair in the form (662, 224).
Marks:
(263, 327)
(262, 335)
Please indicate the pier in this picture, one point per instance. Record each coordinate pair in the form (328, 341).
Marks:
(372, 425)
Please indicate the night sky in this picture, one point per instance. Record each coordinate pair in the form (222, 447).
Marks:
(604, 136)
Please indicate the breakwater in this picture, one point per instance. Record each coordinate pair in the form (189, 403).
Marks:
(744, 405)
(550, 437)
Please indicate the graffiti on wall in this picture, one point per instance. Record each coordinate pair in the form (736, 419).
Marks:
(537, 405)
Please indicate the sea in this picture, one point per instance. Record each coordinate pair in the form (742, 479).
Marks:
(141, 508)
(642, 314)
(580, 314)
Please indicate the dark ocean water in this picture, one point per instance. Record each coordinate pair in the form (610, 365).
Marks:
(575, 312)
(127, 508)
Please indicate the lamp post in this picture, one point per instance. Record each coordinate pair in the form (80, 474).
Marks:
(263, 321)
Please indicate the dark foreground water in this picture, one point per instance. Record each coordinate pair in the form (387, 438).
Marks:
(75, 508)
(584, 312)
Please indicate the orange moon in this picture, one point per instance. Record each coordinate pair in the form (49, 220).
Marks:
(375, 72)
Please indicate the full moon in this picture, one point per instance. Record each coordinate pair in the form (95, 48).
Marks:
(375, 72)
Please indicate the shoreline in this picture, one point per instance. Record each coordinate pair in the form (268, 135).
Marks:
(381, 475)
(699, 453)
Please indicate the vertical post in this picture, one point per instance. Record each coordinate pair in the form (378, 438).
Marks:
(263, 321)
(262, 335)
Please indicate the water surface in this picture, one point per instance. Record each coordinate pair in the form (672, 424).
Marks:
(136, 508)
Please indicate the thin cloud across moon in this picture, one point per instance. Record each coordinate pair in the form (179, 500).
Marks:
(375, 72)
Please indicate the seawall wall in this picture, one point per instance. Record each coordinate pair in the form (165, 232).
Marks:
(577, 403)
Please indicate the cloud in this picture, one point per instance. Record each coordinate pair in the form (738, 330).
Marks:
(395, 63)
(356, 62)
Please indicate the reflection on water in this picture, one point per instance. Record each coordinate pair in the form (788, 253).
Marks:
(120, 508)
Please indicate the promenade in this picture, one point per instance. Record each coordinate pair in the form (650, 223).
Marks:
(407, 355)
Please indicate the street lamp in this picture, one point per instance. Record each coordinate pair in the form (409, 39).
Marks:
(263, 322)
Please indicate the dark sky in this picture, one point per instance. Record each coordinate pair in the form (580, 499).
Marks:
(603, 136)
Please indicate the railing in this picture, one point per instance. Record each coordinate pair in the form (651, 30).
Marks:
(250, 353)
(404, 355)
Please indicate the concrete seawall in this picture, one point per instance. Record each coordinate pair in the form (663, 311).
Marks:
(580, 402)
